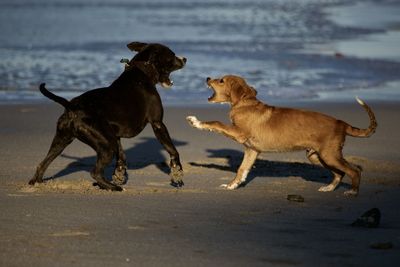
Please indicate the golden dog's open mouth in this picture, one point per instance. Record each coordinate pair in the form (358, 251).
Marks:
(212, 97)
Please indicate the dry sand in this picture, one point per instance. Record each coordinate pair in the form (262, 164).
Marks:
(69, 222)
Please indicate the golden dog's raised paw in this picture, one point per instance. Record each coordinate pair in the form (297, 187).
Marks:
(194, 122)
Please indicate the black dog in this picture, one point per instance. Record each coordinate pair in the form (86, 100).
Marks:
(102, 116)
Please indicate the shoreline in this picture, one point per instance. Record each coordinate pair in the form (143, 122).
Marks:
(388, 95)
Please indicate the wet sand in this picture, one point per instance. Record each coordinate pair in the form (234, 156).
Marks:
(67, 221)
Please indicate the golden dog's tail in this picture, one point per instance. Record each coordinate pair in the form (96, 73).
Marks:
(356, 132)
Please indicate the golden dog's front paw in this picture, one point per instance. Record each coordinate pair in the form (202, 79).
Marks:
(229, 186)
(194, 122)
(327, 188)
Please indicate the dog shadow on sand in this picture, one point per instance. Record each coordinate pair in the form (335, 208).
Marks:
(265, 168)
(143, 154)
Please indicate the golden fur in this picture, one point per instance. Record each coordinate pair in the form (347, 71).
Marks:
(262, 128)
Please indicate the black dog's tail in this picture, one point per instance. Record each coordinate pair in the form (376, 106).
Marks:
(53, 97)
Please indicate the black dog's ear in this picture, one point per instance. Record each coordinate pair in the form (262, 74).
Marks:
(136, 46)
(149, 69)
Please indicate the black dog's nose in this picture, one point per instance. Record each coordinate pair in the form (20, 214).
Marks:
(184, 60)
(208, 79)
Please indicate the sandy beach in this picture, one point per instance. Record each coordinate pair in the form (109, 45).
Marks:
(69, 222)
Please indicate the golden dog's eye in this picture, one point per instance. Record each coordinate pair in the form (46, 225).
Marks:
(221, 81)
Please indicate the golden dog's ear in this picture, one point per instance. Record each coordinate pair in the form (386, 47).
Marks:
(136, 46)
(253, 91)
(241, 90)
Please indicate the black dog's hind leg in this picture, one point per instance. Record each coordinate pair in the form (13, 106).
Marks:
(162, 135)
(120, 175)
(60, 141)
(99, 136)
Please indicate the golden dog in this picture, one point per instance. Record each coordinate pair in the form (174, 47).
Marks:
(261, 128)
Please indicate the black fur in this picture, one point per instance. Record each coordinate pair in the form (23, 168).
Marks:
(102, 116)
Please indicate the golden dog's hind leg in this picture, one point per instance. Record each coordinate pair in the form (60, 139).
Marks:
(339, 166)
(249, 158)
(337, 178)
(314, 158)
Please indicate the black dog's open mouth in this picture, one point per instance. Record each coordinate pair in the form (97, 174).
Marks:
(166, 82)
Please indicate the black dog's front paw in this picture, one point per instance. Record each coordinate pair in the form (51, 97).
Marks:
(120, 176)
(118, 179)
(176, 176)
(117, 188)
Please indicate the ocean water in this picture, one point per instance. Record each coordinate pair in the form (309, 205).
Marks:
(288, 50)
